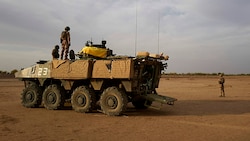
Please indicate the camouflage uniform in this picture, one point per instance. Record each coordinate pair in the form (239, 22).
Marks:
(55, 53)
(65, 41)
(221, 81)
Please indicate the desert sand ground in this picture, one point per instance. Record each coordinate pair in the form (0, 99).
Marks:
(199, 114)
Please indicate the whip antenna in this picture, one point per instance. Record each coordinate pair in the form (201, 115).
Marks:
(158, 32)
(135, 27)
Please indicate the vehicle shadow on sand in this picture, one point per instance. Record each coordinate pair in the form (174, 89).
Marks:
(186, 108)
(195, 107)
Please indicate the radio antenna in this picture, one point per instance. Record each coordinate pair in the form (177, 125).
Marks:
(158, 32)
(135, 27)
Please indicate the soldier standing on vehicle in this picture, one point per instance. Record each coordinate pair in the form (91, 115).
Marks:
(221, 82)
(65, 41)
(55, 52)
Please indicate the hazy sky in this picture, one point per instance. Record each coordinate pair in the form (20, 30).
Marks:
(207, 36)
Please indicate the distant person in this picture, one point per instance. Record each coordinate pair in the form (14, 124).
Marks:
(55, 52)
(221, 82)
(104, 44)
(72, 55)
(65, 41)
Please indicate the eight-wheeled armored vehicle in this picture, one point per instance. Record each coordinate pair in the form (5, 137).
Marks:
(96, 80)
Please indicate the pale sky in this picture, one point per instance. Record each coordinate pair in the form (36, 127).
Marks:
(207, 36)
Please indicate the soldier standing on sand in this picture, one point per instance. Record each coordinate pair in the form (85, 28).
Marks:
(65, 41)
(221, 82)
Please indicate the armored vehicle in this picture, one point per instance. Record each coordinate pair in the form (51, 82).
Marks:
(104, 83)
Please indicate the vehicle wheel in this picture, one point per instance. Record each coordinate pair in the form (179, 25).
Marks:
(141, 103)
(83, 99)
(113, 101)
(53, 97)
(31, 96)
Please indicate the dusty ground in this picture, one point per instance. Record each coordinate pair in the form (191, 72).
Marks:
(199, 114)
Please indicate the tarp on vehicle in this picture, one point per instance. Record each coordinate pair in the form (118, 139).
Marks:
(94, 51)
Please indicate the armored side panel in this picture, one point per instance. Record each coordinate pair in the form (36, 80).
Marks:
(102, 69)
(43, 70)
(120, 68)
(36, 71)
(25, 73)
(65, 69)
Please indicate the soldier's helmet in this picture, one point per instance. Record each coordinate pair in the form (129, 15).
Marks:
(67, 28)
(221, 74)
(56, 47)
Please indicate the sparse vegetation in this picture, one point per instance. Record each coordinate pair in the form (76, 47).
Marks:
(6, 74)
(13, 71)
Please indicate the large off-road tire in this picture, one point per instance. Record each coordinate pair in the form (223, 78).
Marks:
(53, 97)
(83, 99)
(141, 103)
(113, 101)
(31, 96)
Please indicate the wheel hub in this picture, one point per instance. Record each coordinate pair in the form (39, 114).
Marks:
(51, 98)
(81, 100)
(29, 96)
(112, 102)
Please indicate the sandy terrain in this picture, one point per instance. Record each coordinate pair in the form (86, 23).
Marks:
(199, 114)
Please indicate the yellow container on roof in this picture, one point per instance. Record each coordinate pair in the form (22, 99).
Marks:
(94, 51)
